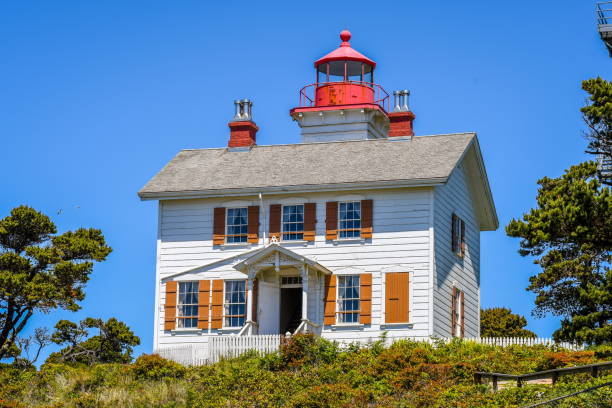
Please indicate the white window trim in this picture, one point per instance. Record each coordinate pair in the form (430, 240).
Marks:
(178, 296)
(457, 299)
(348, 239)
(227, 227)
(338, 311)
(246, 304)
(282, 233)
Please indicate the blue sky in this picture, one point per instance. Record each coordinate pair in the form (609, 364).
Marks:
(97, 96)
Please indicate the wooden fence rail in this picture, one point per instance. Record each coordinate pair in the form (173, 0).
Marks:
(554, 374)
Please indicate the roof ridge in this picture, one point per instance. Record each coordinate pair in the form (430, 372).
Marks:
(331, 142)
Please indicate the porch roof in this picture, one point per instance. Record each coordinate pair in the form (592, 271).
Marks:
(266, 257)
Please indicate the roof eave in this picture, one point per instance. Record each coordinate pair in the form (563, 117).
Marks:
(190, 194)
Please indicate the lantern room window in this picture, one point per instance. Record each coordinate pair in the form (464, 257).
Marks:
(343, 71)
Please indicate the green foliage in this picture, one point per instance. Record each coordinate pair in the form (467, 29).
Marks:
(570, 234)
(597, 115)
(153, 367)
(112, 344)
(41, 271)
(501, 322)
(406, 374)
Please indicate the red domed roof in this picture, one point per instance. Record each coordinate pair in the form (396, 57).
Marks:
(345, 52)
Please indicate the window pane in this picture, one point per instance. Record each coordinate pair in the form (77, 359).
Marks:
(293, 222)
(349, 216)
(187, 305)
(348, 299)
(235, 303)
(237, 225)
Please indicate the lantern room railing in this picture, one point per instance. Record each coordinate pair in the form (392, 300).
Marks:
(308, 94)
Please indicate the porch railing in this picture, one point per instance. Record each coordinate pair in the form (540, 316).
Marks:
(233, 346)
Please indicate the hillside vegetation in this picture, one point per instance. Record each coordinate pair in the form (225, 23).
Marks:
(311, 372)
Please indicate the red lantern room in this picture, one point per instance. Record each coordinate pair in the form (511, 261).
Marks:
(344, 103)
(344, 77)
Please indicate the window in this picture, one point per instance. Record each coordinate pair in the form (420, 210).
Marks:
(237, 226)
(235, 303)
(293, 222)
(458, 236)
(348, 299)
(350, 220)
(291, 281)
(187, 308)
(456, 310)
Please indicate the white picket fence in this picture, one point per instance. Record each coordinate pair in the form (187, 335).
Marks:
(525, 341)
(219, 347)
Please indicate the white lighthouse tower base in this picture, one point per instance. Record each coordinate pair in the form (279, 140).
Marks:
(342, 124)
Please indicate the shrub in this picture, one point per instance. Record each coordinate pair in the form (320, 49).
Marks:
(154, 367)
(566, 358)
(306, 349)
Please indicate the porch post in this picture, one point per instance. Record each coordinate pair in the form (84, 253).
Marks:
(304, 292)
(249, 305)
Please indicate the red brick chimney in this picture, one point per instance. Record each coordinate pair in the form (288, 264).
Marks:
(402, 117)
(243, 131)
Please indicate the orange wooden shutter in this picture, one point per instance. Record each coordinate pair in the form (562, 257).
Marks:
(219, 226)
(330, 300)
(365, 295)
(462, 238)
(275, 220)
(253, 226)
(170, 306)
(462, 328)
(217, 304)
(255, 290)
(366, 218)
(453, 312)
(203, 303)
(331, 220)
(396, 297)
(310, 221)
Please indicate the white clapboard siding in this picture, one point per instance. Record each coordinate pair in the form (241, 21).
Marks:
(455, 197)
(401, 223)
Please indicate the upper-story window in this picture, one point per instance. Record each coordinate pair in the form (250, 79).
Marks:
(293, 222)
(348, 299)
(187, 305)
(457, 236)
(236, 225)
(235, 303)
(349, 219)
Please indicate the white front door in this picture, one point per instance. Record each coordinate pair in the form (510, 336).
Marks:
(268, 308)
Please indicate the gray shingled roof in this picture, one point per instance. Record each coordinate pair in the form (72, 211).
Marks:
(422, 160)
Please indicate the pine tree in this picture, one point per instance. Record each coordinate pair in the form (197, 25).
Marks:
(41, 271)
(501, 322)
(597, 115)
(570, 234)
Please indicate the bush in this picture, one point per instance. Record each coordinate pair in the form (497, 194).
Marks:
(306, 349)
(310, 372)
(154, 367)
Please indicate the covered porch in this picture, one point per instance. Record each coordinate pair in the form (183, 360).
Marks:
(284, 292)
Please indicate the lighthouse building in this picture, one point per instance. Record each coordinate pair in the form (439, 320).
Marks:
(361, 229)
